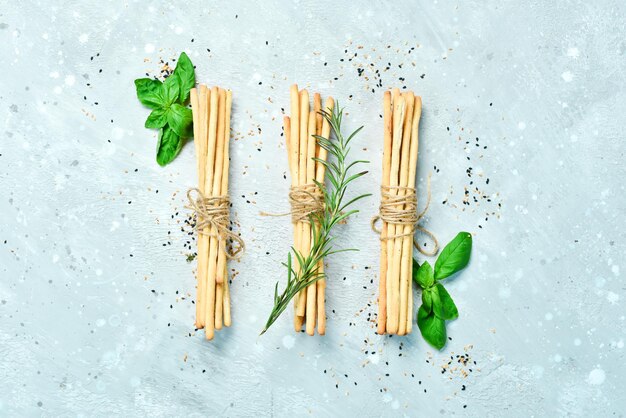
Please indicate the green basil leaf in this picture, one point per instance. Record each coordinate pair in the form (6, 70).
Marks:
(169, 145)
(186, 78)
(180, 119)
(448, 307)
(454, 256)
(433, 329)
(427, 300)
(157, 119)
(437, 303)
(171, 90)
(425, 277)
(150, 92)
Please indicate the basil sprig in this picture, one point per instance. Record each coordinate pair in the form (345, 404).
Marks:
(169, 114)
(437, 304)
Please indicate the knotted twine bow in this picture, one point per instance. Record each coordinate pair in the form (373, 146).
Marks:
(401, 209)
(212, 214)
(305, 201)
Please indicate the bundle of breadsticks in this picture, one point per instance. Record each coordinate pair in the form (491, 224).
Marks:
(211, 124)
(398, 211)
(305, 197)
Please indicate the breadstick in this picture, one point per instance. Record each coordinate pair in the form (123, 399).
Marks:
(203, 240)
(209, 317)
(198, 144)
(227, 319)
(317, 105)
(293, 169)
(294, 155)
(305, 231)
(398, 242)
(221, 257)
(287, 134)
(319, 176)
(382, 297)
(417, 112)
(219, 306)
(311, 291)
(222, 268)
(392, 283)
(217, 191)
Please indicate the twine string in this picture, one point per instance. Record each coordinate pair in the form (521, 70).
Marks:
(212, 219)
(305, 200)
(398, 206)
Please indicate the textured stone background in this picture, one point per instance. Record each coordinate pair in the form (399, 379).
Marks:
(96, 296)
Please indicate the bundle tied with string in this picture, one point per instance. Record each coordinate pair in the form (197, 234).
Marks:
(398, 212)
(210, 203)
(402, 210)
(306, 167)
(212, 217)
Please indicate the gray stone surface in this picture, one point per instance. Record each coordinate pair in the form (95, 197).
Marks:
(96, 296)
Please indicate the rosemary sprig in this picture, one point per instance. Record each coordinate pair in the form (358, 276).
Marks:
(337, 172)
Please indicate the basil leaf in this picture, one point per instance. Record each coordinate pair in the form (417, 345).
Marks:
(427, 300)
(180, 119)
(454, 256)
(433, 329)
(150, 92)
(157, 119)
(171, 90)
(449, 310)
(425, 277)
(437, 304)
(185, 77)
(169, 146)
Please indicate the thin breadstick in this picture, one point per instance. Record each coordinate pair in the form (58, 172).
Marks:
(219, 166)
(392, 289)
(395, 100)
(319, 176)
(417, 112)
(199, 157)
(305, 231)
(399, 242)
(317, 105)
(294, 133)
(382, 297)
(222, 274)
(221, 257)
(217, 191)
(294, 156)
(203, 239)
(287, 134)
(324, 133)
(293, 168)
(209, 317)
(227, 319)
(193, 98)
(320, 288)
(219, 306)
(311, 291)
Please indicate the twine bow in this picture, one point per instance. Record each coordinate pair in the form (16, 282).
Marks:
(212, 218)
(398, 205)
(305, 201)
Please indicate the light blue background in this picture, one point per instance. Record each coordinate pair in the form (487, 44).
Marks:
(96, 317)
